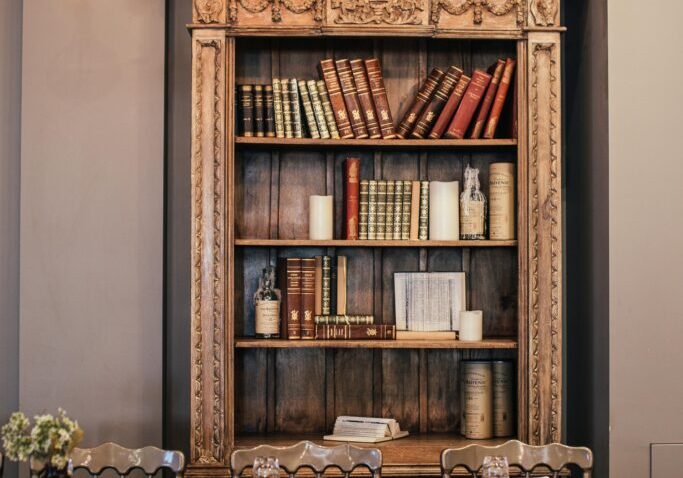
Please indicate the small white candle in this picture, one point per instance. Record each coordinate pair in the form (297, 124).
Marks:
(471, 325)
(320, 224)
(444, 211)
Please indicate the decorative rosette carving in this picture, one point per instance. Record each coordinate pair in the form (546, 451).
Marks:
(478, 7)
(391, 12)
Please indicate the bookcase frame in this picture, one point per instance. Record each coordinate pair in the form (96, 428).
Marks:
(216, 26)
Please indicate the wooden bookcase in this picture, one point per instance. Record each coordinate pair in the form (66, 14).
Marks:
(249, 200)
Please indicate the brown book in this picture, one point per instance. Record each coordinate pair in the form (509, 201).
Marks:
(496, 72)
(415, 211)
(436, 103)
(293, 300)
(247, 109)
(259, 112)
(468, 105)
(270, 111)
(355, 332)
(341, 285)
(423, 95)
(334, 91)
(307, 298)
(406, 210)
(379, 96)
(367, 105)
(318, 285)
(351, 198)
(450, 108)
(351, 100)
(499, 101)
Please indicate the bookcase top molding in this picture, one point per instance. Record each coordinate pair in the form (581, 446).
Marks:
(480, 18)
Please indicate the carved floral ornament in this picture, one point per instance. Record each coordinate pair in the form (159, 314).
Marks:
(391, 12)
(294, 6)
(208, 11)
(478, 7)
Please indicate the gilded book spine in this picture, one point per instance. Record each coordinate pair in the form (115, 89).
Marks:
(277, 107)
(360, 77)
(496, 72)
(406, 207)
(436, 103)
(334, 90)
(296, 110)
(327, 286)
(363, 211)
(350, 93)
(259, 116)
(351, 198)
(381, 209)
(327, 109)
(468, 106)
(389, 222)
(499, 101)
(270, 111)
(308, 298)
(379, 96)
(318, 109)
(308, 110)
(355, 332)
(408, 122)
(423, 232)
(293, 298)
(398, 209)
(287, 108)
(372, 210)
(345, 319)
(247, 109)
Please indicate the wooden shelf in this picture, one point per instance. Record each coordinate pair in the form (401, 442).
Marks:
(366, 243)
(251, 343)
(377, 143)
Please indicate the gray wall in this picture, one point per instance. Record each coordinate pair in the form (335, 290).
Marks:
(646, 226)
(92, 215)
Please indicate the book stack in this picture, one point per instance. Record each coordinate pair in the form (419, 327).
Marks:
(314, 302)
(349, 101)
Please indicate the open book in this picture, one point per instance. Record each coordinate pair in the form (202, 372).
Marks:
(365, 430)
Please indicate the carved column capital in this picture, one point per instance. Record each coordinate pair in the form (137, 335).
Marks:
(544, 13)
(208, 11)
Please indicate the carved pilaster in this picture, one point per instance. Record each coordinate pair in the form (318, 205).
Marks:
(545, 238)
(208, 11)
(208, 345)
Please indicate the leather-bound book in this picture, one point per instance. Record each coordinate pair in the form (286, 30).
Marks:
(415, 211)
(327, 109)
(372, 209)
(421, 99)
(292, 307)
(308, 110)
(277, 107)
(363, 210)
(334, 91)
(341, 285)
(379, 97)
(318, 109)
(297, 126)
(423, 230)
(463, 117)
(398, 209)
(318, 309)
(496, 72)
(287, 108)
(345, 319)
(351, 198)
(436, 103)
(406, 209)
(450, 108)
(389, 213)
(269, 110)
(308, 298)
(355, 332)
(327, 286)
(247, 109)
(367, 105)
(499, 101)
(259, 112)
(381, 209)
(351, 100)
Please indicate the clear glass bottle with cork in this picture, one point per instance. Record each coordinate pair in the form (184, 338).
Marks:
(473, 207)
(267, 306)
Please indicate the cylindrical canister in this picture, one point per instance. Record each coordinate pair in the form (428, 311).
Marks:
(477, 383)
(502, 201)
(503, 398)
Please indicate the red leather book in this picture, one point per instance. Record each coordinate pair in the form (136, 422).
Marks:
(379, 96)
(436, 103)
(355, 332)
(291, 306)
(450, 108)
(334, 91)
(468, 105)
(351, 197)
(499, 101)
(496, 72)
(423, 95)
(367, 105)
(307, 315)
(350, 93)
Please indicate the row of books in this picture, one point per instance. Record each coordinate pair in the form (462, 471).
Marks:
(349, 101)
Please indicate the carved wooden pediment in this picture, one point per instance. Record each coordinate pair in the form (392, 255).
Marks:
(479, 14)
(276, 12)
(377, 12)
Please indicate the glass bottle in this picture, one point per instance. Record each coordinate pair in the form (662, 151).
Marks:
(267, 306)
(473, 207)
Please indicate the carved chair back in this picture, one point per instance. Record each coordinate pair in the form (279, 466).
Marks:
(307, 454)
(149, 459)
(527, 458)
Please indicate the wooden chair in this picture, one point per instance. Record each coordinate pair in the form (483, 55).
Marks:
(526, 458)
(124, 460)
(307, 454)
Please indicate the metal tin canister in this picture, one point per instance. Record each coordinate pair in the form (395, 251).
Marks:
(477, 403)
(503, 398)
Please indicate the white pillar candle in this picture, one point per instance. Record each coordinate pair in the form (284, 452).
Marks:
(444, 211)
(471, 325)
(320, 224)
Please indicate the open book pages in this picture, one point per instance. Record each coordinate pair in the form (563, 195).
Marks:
(365, 430)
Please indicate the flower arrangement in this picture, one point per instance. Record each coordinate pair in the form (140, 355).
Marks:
(51, 439)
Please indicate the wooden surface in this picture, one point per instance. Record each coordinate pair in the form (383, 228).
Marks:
(251, 343)
(368, 243)
(404, 144)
